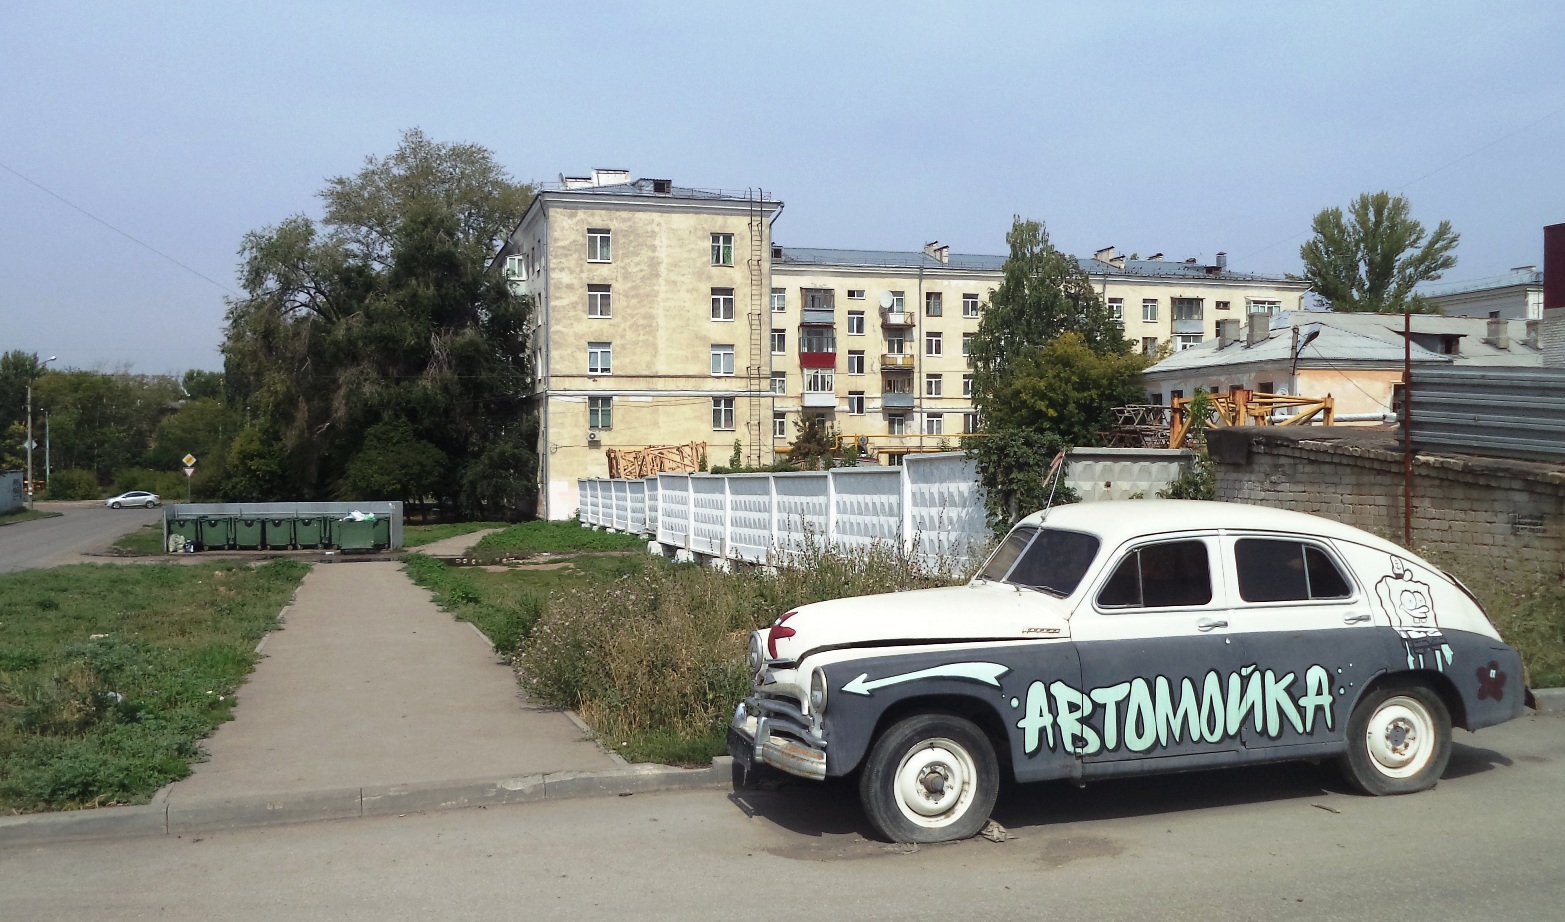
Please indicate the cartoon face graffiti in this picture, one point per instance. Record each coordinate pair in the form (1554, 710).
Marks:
(1407, 601)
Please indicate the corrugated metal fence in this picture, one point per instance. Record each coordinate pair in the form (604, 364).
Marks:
(1515, 413)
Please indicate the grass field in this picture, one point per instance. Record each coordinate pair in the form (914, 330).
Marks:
(146, 541)
(26, 515)
(420, 535)
(555, 538)
(111, 675)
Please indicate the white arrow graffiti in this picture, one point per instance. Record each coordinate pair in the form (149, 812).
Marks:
(988, 673)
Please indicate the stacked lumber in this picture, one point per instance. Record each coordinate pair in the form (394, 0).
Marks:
(635, 463)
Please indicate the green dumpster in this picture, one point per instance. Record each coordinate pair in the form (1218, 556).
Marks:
(311, 531)
(349, 535)
(249, 533)
(187, 531)
(279, 533)
(382, 531)
(216, 532)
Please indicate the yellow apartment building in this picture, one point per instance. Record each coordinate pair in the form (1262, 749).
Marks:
(666, 314)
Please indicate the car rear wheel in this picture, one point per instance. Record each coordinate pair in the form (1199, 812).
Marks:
(1399, 741)
(151, 503)
(930, 778)
(114, 505)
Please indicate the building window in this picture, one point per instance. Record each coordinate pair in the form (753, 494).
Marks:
(934, 423)
(933, 344)
(898, 303)
(969, 423)
(817, 339)
(856, 362)
(1155, 398)
(856, 403)
(896, 424)
(967, 385)
(855, 323)
(1186, 340)
(779, 300)
(969, 306)
(600, 412)
(722, 304)
(779, 425)
(897, 384)
(820, 299)
(598, 301)
(779, 342)
(598, 245)
(1270, 308)
(722, 413)
(1149, 310)
(600, 359)
(1149, 345)
(894, 344)
(1187, 309)
(723, 250)
(1266, 387)
(1221, 305)
(934, 385)
(516, 268)
(934, 304)
(722, 359)
(1117, 308)
(855, 294)
(779, 382)
(967, 344)
(820, 381)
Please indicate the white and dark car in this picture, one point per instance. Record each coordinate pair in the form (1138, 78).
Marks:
(1145, 636)
(135, 498)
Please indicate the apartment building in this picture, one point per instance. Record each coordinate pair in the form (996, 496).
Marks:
(666, 314)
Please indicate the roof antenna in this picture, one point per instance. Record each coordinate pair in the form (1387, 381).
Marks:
(1054, 466)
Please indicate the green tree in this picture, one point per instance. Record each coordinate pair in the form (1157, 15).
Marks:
(1065, 388)
(1013, 468)
(1370, 259)
(394, 463)
(202, 385)
(386, 311)
(16, 369)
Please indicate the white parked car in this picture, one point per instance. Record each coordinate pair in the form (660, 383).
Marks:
(134, 498)
(1144, 636)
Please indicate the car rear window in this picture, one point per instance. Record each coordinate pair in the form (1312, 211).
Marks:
(1273, 570)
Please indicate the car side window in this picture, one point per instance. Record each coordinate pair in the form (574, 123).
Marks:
(1169, 575)
(1272, 570)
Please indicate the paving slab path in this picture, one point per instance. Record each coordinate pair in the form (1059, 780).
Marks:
(369, 683)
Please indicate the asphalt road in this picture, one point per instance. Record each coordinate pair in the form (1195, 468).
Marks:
(81, 529)
(1277, 843)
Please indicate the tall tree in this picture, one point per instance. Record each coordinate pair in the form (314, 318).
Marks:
(1370, 259)
(385, 312)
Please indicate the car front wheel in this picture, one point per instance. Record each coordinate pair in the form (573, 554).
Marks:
(114, 505)
(930, 778)
(1399, 741)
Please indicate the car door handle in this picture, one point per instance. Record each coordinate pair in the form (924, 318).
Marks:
(1207, 624)
(1359, 618)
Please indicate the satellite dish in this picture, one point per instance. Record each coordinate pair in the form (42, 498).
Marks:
(886, 300)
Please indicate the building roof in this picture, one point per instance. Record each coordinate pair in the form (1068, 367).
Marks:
(914, 259)
(645, 187)
(1358, 339)
(1526, 276)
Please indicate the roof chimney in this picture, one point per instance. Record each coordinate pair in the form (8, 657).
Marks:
(1222, 262)
(1227, 332)
(1106, 255)
(934, 250)
(1260, 329)
(1498, 332)
(1155, 257)
(1531, 341)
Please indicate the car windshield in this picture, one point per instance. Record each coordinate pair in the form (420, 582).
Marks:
(1049, 559)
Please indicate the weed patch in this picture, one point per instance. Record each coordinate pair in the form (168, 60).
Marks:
(111, 675)
(26, 515)
(146, 541)
(1527, 608)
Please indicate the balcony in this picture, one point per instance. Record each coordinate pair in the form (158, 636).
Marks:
(890, 401)
(896, 360)
(818, 316)
(1189, 325)
(817, 360)
(896, 318)
(820, 401)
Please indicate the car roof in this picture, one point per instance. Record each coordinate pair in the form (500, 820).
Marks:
(1122, 520)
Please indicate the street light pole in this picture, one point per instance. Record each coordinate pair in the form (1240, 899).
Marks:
(30, 431)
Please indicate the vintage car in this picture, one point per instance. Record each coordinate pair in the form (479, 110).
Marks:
(1119, 638)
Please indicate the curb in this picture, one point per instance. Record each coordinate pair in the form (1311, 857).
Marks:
(1550, 700)
(167, 815)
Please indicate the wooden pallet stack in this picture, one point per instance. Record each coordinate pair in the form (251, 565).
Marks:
(635, 463)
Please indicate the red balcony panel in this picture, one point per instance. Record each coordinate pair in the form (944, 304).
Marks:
(817, 360)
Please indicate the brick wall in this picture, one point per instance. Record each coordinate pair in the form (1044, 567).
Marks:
(1551, 337)
(1508, 515)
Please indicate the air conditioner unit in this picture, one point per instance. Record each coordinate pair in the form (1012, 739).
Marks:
(593, 438)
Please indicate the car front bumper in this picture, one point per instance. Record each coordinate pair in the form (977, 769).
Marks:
(770, 738)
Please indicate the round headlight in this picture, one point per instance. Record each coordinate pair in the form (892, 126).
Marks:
(754, 658)
(818, 692)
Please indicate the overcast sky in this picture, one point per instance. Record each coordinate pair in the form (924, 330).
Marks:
(1186, 128)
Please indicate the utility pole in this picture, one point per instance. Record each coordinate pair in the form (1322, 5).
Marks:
(30, 431)
(46, 451)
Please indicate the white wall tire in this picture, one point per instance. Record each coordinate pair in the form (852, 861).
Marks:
(930, 778)
(1399, 741)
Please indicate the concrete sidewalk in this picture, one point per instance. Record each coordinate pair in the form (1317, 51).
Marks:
(453, 547)
(369, 683)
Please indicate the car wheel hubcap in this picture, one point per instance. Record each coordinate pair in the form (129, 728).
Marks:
(935, 783)
(1400, 737)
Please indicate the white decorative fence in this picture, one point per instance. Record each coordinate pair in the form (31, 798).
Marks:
(931, 506)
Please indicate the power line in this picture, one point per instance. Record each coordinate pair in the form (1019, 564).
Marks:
(127, 236)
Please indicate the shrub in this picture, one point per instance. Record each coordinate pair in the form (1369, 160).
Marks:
(74, 484)
(168, 484)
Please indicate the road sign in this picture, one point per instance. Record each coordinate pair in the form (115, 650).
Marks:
(190, 461)
(29, 445)
(190, 471)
